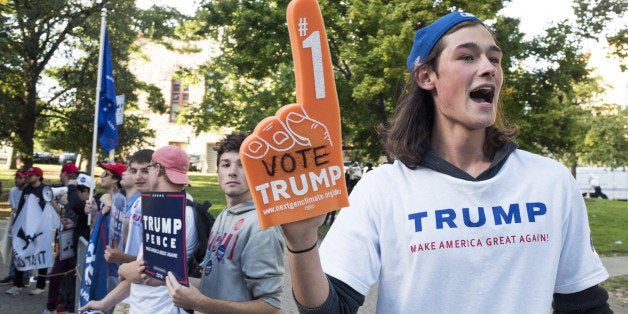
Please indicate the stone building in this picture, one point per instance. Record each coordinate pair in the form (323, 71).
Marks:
(156, 64)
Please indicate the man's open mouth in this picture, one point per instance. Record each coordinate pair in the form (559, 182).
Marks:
(483, 94)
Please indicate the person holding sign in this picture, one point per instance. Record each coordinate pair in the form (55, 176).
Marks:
(14, 199)
(243, 266)
(72, 214)
(35, 186)
(134, 183)
(167, 173)
(113, 205)
(463, 221)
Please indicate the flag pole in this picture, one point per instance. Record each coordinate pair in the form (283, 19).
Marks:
(101, 56)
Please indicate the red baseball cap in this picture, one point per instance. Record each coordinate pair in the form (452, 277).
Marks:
(20, 173)
(175, 161)
(35, 171)
(116, 167)
(69, 168)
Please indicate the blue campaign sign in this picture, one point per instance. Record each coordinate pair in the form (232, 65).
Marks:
(163, 218)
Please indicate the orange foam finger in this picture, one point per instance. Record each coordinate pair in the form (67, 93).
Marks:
(293, 160)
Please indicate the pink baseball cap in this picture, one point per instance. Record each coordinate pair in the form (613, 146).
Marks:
(175, 161)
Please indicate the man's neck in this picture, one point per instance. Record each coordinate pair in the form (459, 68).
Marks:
(130, 192)
(165, 186)
(233, 201)
(36, 184)
(113, 190)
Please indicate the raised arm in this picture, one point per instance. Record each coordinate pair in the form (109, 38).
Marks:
(309, 283)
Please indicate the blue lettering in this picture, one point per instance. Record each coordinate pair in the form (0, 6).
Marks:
(445, 216)
(513, 213)
(467, 218)
(417, 220)
(542, 209)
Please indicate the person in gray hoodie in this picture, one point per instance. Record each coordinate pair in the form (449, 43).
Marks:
(243, 266)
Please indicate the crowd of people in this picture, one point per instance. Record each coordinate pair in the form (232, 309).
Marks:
(462, 222)
(253, 270)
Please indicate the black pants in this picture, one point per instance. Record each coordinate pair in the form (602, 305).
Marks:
(598, 193)
(18, 280)
(56, 283)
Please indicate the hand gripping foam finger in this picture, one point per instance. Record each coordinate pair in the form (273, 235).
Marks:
(293, 160)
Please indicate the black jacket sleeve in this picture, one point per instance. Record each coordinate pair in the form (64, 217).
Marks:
(591, 300)
(342, 299)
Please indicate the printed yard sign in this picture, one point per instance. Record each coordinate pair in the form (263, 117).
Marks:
(163, 219)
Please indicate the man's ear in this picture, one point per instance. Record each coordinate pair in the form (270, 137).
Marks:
(423, 78)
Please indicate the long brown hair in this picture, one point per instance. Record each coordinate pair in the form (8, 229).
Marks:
(411, 125)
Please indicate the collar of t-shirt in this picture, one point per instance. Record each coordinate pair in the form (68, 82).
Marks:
(433, 161)
(131, 199)
(241, 208)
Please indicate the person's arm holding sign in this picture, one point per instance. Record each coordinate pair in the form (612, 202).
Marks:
(113, 254)
(294, 159)
(192, 298)
(119, 293)
(128, 273)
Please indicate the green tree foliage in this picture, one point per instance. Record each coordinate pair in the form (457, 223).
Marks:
(49, 61)
(541, 100)
(605, 141)
(369, 42)
(551, 101)
(253, 77)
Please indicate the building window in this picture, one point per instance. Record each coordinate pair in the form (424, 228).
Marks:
(178, 98)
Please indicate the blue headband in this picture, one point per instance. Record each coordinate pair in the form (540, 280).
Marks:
(426, 37)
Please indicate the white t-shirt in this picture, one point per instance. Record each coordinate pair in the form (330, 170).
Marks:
(149, 299)
(439, 244)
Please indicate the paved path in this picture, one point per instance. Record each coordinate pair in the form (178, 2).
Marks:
(27, 304)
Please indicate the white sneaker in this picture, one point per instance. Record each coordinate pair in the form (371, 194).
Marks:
(14, 291)
(36, 291)
(46, 311)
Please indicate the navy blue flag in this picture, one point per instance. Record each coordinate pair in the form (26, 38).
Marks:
(107, 127)
(94, 280)
(163, 218)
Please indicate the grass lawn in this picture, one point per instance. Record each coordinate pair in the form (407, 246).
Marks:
(204, 187)
(608, 221)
